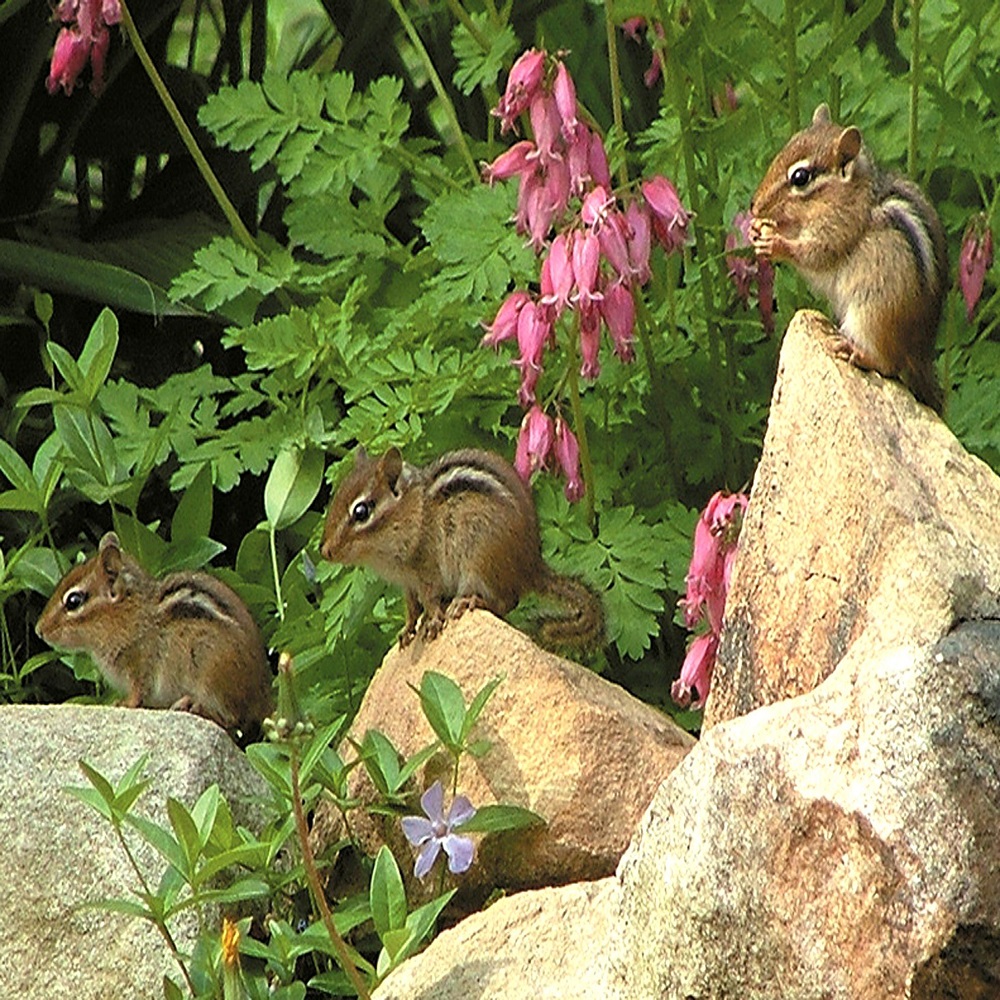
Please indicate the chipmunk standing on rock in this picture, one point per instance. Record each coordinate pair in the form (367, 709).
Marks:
(461, 533)
(869, 241)
(185, 642)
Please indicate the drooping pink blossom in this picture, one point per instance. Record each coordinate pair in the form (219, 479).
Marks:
(84, 36)
(696, 672)
(564, 92)
(586, 256)
(524, 81)
(504, 325)
(974, 261)
(668, 216)
(639, 240)
(590, 339)
(715, 538)
(597, 160)
(534, 443)
(535, 209)
(618, 310)
(557, 187)
(532, 331)
(567, 451)
(557, 274)
(511, 163)
(545, 127)
(613, 238)
(596, 206)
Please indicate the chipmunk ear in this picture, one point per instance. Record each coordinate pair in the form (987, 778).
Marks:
(110, 554)
(821, 116)
(391, 465)
(848, 147)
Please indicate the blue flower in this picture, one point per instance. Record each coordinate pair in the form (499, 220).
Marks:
(435, 832)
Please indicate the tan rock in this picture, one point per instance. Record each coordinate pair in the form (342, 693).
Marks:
(542, 944)
(60, 855)
(869, 525)
(566, 743)
(839, 845)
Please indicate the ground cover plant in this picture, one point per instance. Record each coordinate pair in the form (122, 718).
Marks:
(201, 322)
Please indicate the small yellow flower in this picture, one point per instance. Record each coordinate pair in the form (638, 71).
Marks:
(230, 944)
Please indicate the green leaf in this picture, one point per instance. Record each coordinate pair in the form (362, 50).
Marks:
(186, 832)
(171, 991)
(444, 707)
(414, 763)
(477, 67)
(98, 353)
(204, 813)
(494, 818)
(160, 839)
(107, 284)
(292, 485)
(193, 517)
(386, 894)
(477, 705)
(381, 760)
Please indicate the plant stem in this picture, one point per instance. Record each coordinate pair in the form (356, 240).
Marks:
(616, 85)
(470, 26)
(316, 888)
(911, 145)
(432, 73)
(159, 923)
(277, 576)
(240, 231)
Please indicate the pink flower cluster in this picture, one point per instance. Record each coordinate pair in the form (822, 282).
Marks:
(974, 261)
(715, 538)
(84, 37)
(747, 270)
(595, 251)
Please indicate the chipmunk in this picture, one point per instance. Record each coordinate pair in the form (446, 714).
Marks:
(461, 533)
(869, 241)
(186, 641)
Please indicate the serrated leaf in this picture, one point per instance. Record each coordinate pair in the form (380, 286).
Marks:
(478, 67)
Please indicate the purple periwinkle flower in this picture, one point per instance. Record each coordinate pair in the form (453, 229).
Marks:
(435, 832)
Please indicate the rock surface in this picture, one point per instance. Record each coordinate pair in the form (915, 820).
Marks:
(839, 845)
(869, 525)
(540, 944)
(566, 743)
(59, 854)
(842, 843)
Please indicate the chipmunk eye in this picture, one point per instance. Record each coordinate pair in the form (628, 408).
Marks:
(74, 600)
(801, 176)
(362, 510)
